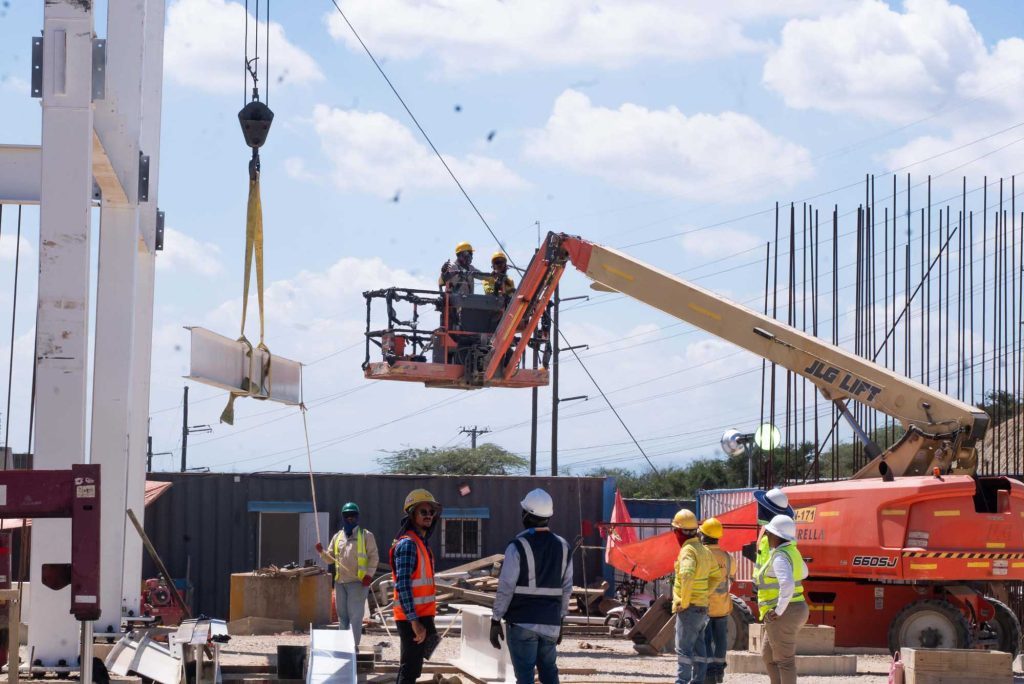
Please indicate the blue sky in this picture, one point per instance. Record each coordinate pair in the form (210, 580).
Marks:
(619, 121)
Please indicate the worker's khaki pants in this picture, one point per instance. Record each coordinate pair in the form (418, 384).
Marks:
(778, 649)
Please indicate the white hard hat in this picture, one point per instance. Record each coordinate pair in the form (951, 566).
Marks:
(782, 526)
(777, 497)
(538, 503)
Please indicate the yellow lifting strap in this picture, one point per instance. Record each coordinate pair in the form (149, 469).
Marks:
(253, 248)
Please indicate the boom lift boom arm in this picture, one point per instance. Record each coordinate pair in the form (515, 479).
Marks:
(941, 431)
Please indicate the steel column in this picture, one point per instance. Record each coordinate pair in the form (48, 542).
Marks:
(63, 307)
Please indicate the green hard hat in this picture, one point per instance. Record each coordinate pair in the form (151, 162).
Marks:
(350, 507)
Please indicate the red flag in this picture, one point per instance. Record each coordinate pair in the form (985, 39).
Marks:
(619, 534)
(649, 559)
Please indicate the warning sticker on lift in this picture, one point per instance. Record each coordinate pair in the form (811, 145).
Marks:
(804, 516)
(85, 491)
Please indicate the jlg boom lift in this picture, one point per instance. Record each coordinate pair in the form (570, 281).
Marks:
(913, 543)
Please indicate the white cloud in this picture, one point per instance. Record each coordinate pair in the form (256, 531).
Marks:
(470, 36)
(184, 253)
(881, 63)
(9, 248)
(203, 47)
(371, 152)
(715, 242)
(703, 156)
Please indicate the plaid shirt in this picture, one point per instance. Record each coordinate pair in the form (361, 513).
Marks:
(405, 566)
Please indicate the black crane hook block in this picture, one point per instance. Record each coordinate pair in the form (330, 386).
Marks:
(255, 119)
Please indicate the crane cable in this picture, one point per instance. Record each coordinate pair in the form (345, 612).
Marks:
(255, 119)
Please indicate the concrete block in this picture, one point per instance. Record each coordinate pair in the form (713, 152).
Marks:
(304, 600)
(811, 640)
(962, 666)
(826, 665)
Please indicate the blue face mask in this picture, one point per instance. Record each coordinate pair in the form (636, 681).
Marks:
(349, 524)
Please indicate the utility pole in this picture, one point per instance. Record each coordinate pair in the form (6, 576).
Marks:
(473, 432)
(556, 349)
(184, 431)
(533, 421)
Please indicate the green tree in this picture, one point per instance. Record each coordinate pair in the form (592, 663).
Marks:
(486, 459)
(1000, 406)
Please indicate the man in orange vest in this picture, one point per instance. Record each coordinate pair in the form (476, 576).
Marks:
(412, 569)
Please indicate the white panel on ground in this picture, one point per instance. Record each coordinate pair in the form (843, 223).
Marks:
(20, 173)
(62, 328)
(225, 363)
(146, 657)
(332, 657)
(307, 537)
(477, 657)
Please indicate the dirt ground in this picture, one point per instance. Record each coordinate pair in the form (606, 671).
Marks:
(614, 660)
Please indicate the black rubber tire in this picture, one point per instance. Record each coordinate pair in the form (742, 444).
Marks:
(1007, 626)
(740, 620)
(964, 634)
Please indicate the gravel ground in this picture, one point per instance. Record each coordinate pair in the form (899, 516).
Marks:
(614, 659)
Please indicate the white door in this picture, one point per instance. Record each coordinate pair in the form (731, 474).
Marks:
(307, 536)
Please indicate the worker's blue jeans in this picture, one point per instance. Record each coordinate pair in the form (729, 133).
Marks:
(715, 646)
(350, 601)
(529, 650)
(690, 624)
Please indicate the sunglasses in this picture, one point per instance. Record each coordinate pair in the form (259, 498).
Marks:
(499, 262)
(426, 512)
(349, 515)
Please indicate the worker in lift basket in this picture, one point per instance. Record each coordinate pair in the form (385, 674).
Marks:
(780, 600)
(458, 277)
(353, 553)
(696, 573)
(719, 603)
(498, 283)
(412, 569)
(534, 588)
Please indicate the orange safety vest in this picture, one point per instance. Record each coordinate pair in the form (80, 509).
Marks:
(424, 594)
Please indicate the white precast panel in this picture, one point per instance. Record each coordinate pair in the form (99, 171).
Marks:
(63, 307)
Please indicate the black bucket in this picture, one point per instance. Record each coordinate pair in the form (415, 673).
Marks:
(291, 662)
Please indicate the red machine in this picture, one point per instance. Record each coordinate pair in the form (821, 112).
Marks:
(158, 602)
(910, 562)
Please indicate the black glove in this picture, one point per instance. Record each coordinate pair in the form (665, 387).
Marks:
(496, 634)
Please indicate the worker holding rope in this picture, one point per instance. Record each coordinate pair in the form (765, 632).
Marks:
(353, 553)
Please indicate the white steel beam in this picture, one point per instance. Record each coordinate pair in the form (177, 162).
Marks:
(149, 138)
(20, 174)
(63, 307)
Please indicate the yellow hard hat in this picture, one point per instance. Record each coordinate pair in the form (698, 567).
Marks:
(418, 496)
(712, 528)
(463, 247)
(498, 255)
(684, 520)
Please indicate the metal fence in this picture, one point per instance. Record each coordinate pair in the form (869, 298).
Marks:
(715, 502)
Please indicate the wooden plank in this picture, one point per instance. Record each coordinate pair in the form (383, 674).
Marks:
(472, 566)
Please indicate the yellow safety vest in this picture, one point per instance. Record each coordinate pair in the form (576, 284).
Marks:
(362, 558)
(768, 586)
(696, 572)
(719, 602)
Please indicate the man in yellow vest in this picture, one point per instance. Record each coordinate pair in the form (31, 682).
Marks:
(412, 570)
(780, 600)
(719, 602)
(353, 553)
(695, 573)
